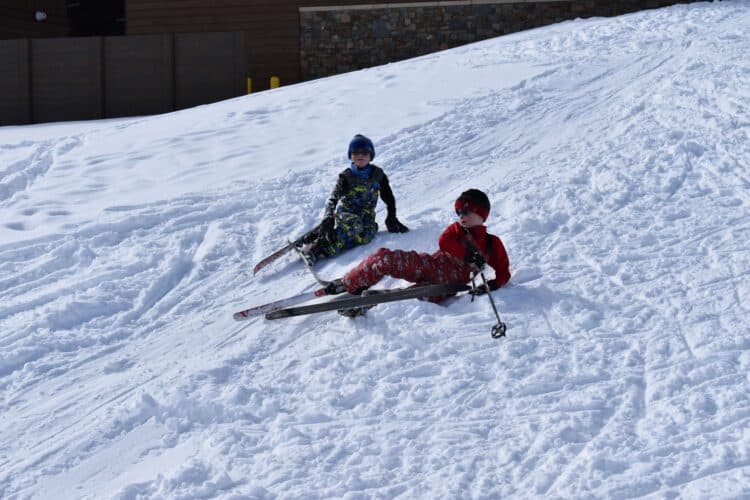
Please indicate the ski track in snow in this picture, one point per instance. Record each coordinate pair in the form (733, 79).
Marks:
(617, 161)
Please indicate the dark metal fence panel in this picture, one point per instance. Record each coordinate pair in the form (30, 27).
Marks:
(66, 77)
(209, 67)
(138, 75)
(15, 105)
(56, 79)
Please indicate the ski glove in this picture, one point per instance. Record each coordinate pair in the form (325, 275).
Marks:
(394, 226)
(326, 229)
(474, 258)
(481, 290)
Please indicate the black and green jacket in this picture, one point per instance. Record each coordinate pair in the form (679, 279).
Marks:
(357, 192)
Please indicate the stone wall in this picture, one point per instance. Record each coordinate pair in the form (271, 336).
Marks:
(337, 39)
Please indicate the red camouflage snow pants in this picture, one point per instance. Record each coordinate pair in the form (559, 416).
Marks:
(440, 267)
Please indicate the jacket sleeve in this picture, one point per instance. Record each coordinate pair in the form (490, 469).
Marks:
(342, 186)
(451, 241)
(386, 194)
(499, 262)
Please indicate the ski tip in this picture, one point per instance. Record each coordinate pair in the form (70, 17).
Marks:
(240, 316)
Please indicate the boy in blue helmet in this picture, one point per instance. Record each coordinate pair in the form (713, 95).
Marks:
(349, 218)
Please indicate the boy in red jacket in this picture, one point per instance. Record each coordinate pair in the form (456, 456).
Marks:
(465, 246)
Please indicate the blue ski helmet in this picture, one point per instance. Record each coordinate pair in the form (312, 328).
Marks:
(360, 142)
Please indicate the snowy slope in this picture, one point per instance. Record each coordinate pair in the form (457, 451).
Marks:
(617, 155)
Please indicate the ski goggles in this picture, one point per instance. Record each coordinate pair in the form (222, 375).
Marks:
(464, 207)
(361, 152)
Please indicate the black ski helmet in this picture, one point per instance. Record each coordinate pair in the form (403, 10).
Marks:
(360, 142)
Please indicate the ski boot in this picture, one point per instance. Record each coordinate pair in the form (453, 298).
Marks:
(335, 287)
(354, 312)
(311, 253)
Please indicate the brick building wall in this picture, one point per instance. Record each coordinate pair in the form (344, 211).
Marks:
(336, 39)
(17, 19)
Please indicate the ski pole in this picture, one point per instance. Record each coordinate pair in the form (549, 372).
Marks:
(499, 329)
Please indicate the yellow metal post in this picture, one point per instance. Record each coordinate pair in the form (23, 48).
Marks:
(275, 82)
(249, 85)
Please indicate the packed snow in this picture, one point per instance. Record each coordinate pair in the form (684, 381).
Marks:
(616, 153)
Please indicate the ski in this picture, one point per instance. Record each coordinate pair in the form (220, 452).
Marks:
(283, 251)
(352, 301)
(272, 258)
(279, 304)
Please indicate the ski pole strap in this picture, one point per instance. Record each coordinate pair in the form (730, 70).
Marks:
(472, 243)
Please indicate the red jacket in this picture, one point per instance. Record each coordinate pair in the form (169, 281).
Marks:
(456, 240)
